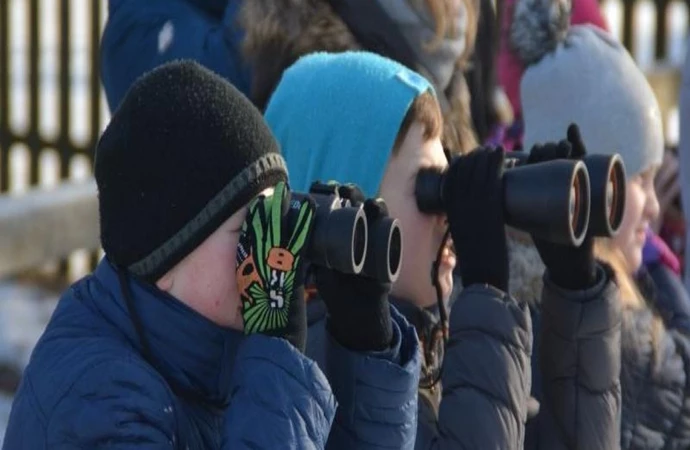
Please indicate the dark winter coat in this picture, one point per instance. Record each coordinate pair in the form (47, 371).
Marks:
(141, 35)
(88, 384)
(655, 363)
(481, 399)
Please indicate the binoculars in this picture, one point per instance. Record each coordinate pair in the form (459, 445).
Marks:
(559, 200)
(343, 240)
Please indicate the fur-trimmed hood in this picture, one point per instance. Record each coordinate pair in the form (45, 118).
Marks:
(278, 32)
(526, 268)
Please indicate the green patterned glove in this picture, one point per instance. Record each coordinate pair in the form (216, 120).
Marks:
(270, 262)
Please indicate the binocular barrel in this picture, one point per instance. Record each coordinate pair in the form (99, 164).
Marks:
(607, 178)
(549, 200)
(340, 240)
(339, 236)
(385, 249)
(559, 200)
(607, 183)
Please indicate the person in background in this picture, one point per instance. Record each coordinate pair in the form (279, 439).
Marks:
(581, 74)
(492, 113)
(154, 347)
(511, 67)
(432, 37)
(684, 158)
(140, 35)
(361, 118)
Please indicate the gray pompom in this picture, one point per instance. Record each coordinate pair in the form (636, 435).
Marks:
(538, 26)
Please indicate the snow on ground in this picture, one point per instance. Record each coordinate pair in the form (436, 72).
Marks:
(5, 405)
(24, 313)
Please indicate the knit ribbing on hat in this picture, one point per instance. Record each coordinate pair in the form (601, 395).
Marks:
(152, 263)
(591, 80)
(538, 27)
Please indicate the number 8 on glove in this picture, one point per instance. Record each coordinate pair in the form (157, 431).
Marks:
(269, 263)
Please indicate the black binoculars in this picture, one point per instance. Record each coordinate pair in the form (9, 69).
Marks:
(559, 200)
(343, 240)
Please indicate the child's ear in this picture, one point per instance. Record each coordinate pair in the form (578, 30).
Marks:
(165, 283)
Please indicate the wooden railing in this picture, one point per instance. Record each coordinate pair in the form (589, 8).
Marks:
(52, 110)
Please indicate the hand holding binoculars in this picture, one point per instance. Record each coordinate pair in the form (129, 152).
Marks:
(560, 200)
(343, 238)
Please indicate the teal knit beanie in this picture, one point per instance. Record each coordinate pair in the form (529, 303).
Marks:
(336, 116)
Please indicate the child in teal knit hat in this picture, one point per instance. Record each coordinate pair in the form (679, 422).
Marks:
(357, 117)
(342, 117)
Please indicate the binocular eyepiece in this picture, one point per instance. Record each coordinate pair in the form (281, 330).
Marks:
(343, 240)
(558, 200)
(607, 177)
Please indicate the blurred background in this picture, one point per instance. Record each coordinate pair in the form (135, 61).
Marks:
(52, 109)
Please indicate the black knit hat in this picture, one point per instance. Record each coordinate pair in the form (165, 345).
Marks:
(183, 152)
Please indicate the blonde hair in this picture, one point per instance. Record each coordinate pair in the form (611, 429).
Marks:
(605, 251)
(440, 11)
(631, 297)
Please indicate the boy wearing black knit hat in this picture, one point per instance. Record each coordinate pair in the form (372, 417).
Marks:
(148, 351)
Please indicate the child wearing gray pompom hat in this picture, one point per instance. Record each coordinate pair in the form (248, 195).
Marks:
(582, 75)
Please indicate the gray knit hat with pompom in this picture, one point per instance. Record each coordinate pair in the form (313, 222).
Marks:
(582, 75)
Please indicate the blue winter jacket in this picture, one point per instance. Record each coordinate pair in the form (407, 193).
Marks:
(376, 391)
(88, 385)
(481, 401)
(141, 35)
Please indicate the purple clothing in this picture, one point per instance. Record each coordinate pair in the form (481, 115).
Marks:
(655, 250)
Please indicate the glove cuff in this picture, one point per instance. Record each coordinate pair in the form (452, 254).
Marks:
(580, 275)
(362, 324)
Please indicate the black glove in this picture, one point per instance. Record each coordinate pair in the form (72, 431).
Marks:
(568, 267)
(474, 204)
(358, 309)
(270, 266)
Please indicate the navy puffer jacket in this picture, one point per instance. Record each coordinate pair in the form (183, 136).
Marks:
(88, 384)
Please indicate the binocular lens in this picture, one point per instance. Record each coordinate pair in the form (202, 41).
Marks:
(395, 253)
(384, 251)
(607, 174)
(579, 221)
(573, 206)
(359, 241)
(609, 200)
